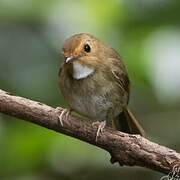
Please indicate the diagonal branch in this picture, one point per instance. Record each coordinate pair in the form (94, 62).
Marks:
(126, 149)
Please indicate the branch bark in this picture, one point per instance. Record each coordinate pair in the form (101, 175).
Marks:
(124, 148)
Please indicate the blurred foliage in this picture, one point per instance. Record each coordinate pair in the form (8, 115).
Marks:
(145, 33)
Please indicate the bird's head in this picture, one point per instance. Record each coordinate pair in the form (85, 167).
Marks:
(85, 54)
(83, 49)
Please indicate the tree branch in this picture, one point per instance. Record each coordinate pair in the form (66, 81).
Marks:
(124, 148)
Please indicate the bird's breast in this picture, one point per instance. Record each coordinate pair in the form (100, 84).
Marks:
(92, 97)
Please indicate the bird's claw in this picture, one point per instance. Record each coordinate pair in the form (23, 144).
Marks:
(64, 112)
(101, 126)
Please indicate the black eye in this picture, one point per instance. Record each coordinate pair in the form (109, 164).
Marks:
(87, 48)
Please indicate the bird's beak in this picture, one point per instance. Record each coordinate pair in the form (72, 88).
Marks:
(70, 59)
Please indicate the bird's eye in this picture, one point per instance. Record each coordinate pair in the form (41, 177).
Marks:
(87, 48)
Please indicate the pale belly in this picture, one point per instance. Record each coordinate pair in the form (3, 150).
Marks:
(94, 107)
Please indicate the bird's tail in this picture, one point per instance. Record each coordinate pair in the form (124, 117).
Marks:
(127, 123)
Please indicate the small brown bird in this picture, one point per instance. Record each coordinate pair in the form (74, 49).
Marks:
(95, 84)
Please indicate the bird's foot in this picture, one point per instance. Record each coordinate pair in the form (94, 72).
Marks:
(64, 112)
(101, 126)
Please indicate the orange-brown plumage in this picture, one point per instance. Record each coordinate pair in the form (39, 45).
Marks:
(95, 83)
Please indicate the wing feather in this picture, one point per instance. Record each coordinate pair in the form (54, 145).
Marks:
(120, 75)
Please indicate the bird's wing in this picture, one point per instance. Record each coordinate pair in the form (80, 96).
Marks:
(120, 75)
(60, 69)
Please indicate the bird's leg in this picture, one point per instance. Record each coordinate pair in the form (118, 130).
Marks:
(64, 112)
(101, 126)
(109, 117)
(108, 122)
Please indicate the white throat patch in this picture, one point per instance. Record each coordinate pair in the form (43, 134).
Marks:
(80, 71)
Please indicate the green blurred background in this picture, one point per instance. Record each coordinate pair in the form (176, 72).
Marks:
(146, 33)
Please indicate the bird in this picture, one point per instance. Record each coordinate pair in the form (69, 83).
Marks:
(94, 82)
